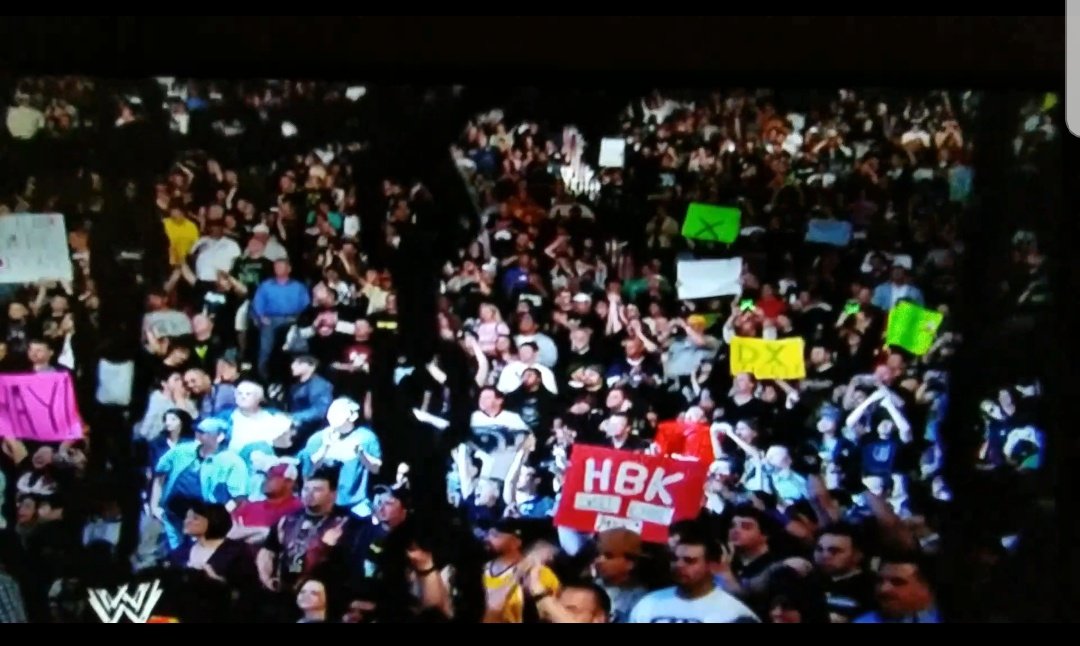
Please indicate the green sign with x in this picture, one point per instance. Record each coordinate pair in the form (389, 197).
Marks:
(712, 223)
(913, 328)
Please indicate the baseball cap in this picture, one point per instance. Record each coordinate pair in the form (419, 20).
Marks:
(511, 526)
(212, 425)
(619, 541)
(260, 228)
(283, 470)
(830, 412)
(582, 297)
(231, 357)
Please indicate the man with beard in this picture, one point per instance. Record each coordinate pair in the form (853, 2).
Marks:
(580, 355)
(252, 521)
(695, 597)
(351, 373)
(324, 325)
(505, 597)
(533, 403)
(308, 543)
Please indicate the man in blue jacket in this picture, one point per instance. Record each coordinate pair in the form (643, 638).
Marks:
(309, 397)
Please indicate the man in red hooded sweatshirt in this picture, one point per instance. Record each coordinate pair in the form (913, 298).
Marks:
(685, 438)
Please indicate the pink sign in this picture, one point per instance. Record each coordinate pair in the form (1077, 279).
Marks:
(39, 407)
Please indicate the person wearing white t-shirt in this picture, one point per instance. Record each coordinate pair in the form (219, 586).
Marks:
(272, 249)
(496, 432)
(528, 358)
(214, 253)
(250, 423)
(695, 598)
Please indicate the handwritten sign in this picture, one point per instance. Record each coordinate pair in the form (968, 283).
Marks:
(709, 278)
(605, 488)
(781, 359)
(34, 247)
(39, 407)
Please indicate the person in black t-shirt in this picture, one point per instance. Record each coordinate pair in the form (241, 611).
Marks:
(751, 559)
(351, 372)
(206, 346)
(310, 542)
(533, 403)
(822, 376)
(221, 304)
(321, 325)
(618, 434)
(839, 556)
(252, 268)
(742, 404)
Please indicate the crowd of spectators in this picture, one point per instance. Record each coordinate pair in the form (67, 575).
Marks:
(265, 492)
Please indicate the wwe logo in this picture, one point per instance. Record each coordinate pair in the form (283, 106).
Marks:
(137, 607)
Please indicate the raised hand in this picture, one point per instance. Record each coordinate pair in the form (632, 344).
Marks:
(420, 559)
(529, 576)
(720, 428)
(333, 535)
(727, 555)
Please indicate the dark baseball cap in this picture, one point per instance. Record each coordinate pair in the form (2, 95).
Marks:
(511, 526)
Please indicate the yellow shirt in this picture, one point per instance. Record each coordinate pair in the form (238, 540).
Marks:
(182, 237)
(515, 602)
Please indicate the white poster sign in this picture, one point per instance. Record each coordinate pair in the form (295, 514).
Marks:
(612, 152)
(709, 278)
(34, 247)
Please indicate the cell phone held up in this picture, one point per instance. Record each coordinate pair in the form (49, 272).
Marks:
(852, 307)
(746, 305)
